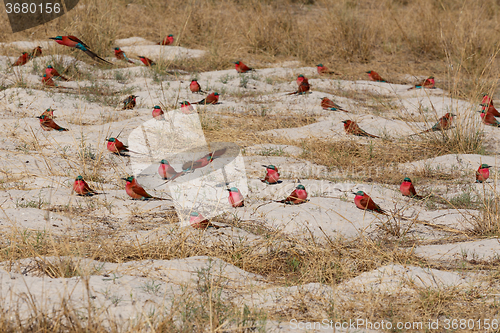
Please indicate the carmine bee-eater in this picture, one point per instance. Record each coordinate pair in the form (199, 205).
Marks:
(198, 221)
(374, 76)
(352, 128)
(213, 98)
(298, 196)
(328, 104)
(491, 110)
(303, 84)
(167, 172)
(47, 80)
(483, 173)
(51, 71)
(116, 146)
(241, 67)
(186, 107)
(364, 202)
(408, 190)
(73, 41)
(22, 60)
(272, 175)
(200, 163)
(487, 104)
(443, 123)
(488, 119)
(129, 102)
(169, 40)
(81, 187)
(194, 86)
(37, 52)
(324, 70)
(427, 83)
(158, 113)
(235, 197)
(136, 191)
(48, 124)
(146, 61)
(120, 55)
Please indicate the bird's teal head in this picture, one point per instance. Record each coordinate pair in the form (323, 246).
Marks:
(193, 80)
(156, 107)
(56, 38)
(237, 62)
(300, 187)
(319, 65)
(344, 121)
(361, 193)
(301, 75)
(129, 179)
(233, 189)
(184, 103)
(141, 57)
(194, 214)
(170, 35)
(431, 77)
(216, 94)
(164, 162)
(369, 72)
(111, 140)
(407, 180)
(41, 117)
(25, 53)
(44, 75)
(485, 166)
(270, 166)
(117, 48)
(79, 178)
(50, 66)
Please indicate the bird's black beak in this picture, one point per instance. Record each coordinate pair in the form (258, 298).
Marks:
(124, 178)
(38, 117)
(265, 166)
(52, 38)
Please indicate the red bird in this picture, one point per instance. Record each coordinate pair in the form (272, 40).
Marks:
(272, 175)
(116, 146)
(487, 102)
(235, 197)
(241, 67)
(213, 98)
(186, 107)
(483, 173)
(136, 191)
(352, 128)
(47, 80)
(48, 124)
(428, 83)
(324, 70)
(489, 119)
(408, 190)
(200, 163)
(328, 104)
(364, 202)
(298, 196)
(81, 187)
(443, 123)
(37, 52)
(169, 40)
(22, 60)
(51, 71)
(303, 84)
(72, 41)
(167, 172)
(197, 221)
(374, 76)
(158, 112)
(129, 102)
(146, 61)
(120, 55)
(194, 86)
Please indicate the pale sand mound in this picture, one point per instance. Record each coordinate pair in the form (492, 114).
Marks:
(480, 250)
